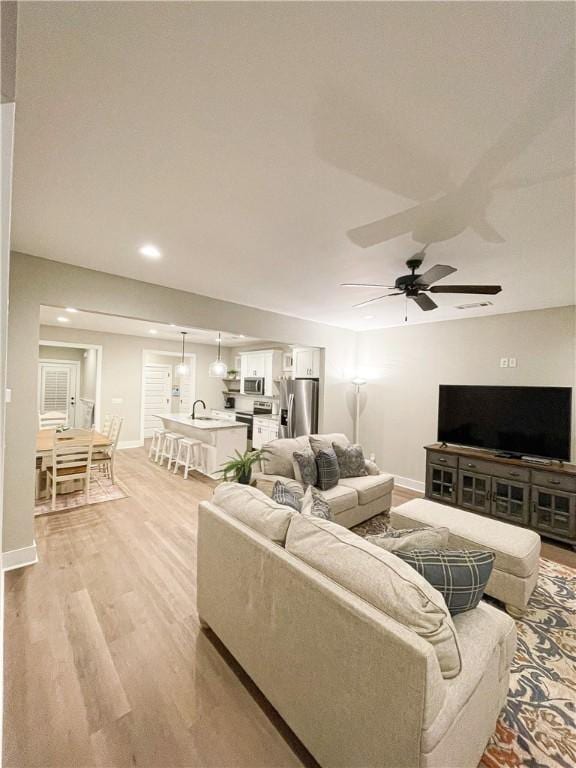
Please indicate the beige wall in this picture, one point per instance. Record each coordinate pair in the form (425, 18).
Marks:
(122, 358)
(36, 281)
(405, 366)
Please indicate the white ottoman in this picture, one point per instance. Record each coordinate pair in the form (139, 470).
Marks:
(517, 550)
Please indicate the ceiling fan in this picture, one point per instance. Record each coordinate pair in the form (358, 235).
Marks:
(417, 287)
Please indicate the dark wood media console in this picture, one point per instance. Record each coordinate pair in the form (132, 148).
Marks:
(534, 495)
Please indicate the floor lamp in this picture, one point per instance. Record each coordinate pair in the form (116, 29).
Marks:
(358, 382)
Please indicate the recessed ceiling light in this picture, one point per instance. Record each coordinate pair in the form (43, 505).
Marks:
(63, 319)
(368, 317)
(150, 251)
(71, 309)
(152, 330)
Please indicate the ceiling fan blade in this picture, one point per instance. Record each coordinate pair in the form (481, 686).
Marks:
(385, 229)
(365, 285)
(424, 302)
(435, 273)
(378, 298)
(488, 289)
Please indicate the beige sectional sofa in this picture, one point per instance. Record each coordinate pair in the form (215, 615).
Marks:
(352, 501)
(353, 649)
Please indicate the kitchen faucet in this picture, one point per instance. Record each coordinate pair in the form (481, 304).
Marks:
(194, 407)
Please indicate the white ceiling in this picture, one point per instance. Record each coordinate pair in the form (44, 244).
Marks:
(246, 139)
(91, 321)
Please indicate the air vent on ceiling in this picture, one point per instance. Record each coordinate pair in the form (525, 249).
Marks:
(474, 305)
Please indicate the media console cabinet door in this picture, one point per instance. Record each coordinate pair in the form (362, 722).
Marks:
(474, 492)
(511, 501)
(554, 512)
(441, 483)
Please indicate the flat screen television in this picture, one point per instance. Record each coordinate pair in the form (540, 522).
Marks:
(518, 421)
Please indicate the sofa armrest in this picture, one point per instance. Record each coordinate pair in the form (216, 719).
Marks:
(265, 483)
(371, 467)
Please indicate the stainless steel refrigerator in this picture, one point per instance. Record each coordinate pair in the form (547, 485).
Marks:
(298, 407)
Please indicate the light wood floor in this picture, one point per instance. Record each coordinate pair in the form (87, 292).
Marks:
(105, 661)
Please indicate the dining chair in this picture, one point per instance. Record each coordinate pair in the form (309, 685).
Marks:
(107, 424)
(104, 459)
(71, 460)
(52, 420)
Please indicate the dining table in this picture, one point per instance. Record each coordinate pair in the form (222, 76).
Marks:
(44, 444)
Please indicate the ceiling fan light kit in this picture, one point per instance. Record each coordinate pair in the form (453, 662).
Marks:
(416, 287)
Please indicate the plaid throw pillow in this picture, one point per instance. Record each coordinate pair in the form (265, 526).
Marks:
(328, 472)
(461, 576)
(281, 494)
(350, 460)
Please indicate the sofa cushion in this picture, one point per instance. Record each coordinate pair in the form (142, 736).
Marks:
(380, 578)
(407, 539)
(460, 576)
(254, 509)
(323, 442)
(277, 459)
(315, 505)
(328, 471)
(340, 499)
(482, 633)
(282, 494)
(517, 549)
(371, 487)
(350, 460)
(305, 469)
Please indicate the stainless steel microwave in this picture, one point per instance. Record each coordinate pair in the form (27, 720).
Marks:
(254, 385)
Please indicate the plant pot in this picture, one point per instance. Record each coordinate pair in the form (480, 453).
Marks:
(245, 477)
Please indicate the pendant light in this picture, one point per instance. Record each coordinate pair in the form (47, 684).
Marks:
(218, 369)
(182, 369)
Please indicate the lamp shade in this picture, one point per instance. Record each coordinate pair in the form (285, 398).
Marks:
(182, 369)
(218, 369)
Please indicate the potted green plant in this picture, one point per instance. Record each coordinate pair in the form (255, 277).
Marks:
(239, 469)
(233, 373)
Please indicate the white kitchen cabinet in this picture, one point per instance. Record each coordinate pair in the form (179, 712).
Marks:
(263, 431)
(264, 364)
(306, 363)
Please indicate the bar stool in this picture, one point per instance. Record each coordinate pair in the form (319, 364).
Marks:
(187, 455)
(157, 443)
(170, 447)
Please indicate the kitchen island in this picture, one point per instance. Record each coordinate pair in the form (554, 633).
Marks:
(221, 438)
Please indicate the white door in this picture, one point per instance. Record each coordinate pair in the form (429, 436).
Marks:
(58, 389)
(186, 392)
(157, 392)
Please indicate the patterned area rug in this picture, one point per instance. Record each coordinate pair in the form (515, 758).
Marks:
(101, 489)
(537, 727)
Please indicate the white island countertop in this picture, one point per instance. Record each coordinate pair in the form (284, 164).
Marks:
(206, 424)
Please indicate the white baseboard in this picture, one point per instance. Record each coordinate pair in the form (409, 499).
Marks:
(18, 558)
(407, 482)
(129, 444)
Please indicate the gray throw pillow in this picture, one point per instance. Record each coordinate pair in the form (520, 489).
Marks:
(328, 471)
(460, 575)
(351, 462)
(407, 539)
(281, 494)
(305, 470)
(315, 505)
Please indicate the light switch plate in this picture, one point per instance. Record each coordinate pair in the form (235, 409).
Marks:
(503, 362)
(8, 395)
(512, 363)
